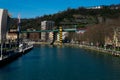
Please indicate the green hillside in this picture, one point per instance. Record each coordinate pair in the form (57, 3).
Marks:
(80, 16)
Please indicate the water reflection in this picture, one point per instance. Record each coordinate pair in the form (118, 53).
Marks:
(54, 63)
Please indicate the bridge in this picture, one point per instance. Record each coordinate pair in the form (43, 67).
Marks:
(57, 30)
(60, 30)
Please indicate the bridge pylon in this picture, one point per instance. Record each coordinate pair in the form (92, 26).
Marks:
(60, 36)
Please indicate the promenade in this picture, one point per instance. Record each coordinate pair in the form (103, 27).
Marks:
(94, 48)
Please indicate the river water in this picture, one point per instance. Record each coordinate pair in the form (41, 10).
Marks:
(54, 63)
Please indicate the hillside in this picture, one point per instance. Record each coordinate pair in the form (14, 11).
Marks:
(80, 16)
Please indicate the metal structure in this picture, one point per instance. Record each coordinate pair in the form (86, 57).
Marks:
(57, 30)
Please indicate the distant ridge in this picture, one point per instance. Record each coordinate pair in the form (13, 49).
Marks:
(89, 15)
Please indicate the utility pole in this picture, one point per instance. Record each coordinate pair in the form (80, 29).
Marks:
(18, 30)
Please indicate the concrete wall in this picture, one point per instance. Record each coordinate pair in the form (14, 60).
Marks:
(3, 24)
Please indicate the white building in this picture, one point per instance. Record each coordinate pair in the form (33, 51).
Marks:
(46, 25)
(50, 36)
(3, 24)
(64, 34)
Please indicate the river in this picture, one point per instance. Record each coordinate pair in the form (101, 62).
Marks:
(54, 63)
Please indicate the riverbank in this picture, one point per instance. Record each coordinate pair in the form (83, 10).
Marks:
(93, 48)
(44, 43)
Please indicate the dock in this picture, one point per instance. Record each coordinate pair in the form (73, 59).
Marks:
(13, 54)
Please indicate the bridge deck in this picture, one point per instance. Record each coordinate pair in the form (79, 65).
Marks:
(64, 30)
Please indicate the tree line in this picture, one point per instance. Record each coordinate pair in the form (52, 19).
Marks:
(96, 34)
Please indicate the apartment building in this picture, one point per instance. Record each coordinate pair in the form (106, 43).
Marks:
(46, 25)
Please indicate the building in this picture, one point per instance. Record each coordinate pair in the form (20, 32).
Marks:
(51, 36)
(3, 24)
(46, 25)
(34, 36)
(115, 39)
(95, 7)
(64, 35)
(12, 35)
(81, 30)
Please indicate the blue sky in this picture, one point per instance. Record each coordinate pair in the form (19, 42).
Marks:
(34, 8)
